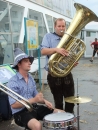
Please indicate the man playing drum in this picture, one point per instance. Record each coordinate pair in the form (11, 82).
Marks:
(23, 84)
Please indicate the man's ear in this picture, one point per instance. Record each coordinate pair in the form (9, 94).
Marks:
(18, 65)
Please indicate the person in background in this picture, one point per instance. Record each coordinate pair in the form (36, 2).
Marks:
(94, 46)
(23, 84)
(59, 86)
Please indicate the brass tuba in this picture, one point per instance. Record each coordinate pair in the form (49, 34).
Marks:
(59, 65)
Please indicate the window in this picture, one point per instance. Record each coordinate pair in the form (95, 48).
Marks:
(64, 7)
(37, 16)
(67, 25)
(67, 7)
(56, 5)
(90, 34)
(53, 22)
(6, 47)
(10, 24)
(16, 17)
(4, 17)
(50, 22)
(48, 3)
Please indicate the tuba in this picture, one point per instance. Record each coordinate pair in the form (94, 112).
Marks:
(60, 66)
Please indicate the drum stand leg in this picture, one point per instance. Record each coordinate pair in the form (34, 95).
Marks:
(78, 126)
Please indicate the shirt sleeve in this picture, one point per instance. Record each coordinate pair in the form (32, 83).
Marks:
(45, 42)
(35, 92)
(14, 87)
(93, 43)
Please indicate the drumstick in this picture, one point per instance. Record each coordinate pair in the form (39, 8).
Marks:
(42, 90)
(42, 87)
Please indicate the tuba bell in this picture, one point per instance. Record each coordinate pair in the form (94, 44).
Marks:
(60, 66)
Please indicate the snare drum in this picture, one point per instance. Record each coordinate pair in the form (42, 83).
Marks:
(60, 120)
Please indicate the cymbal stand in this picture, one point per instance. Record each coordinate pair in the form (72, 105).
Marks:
(78, 125)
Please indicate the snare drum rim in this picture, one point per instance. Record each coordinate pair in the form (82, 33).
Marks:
(50, 124)
(59, 114)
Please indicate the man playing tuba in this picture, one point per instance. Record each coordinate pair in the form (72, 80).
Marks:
(60, 86)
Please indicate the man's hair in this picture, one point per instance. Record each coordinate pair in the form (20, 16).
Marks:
(17, 69)
(95, 38)
(59, 19)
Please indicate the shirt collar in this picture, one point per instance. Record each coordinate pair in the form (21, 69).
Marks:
(57, 36)
(20, 76)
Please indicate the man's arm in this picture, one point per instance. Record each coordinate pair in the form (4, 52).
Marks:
(46, 48)
(50, 51)
(37, 99)
(92, 45)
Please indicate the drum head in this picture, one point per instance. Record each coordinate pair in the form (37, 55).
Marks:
(62, 116)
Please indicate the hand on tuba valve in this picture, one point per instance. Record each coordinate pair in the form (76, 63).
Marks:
(62, 51)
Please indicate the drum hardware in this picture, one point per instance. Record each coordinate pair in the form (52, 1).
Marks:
(59, 121)
(77, 100)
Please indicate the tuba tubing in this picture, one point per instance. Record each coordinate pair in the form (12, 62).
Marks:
(25, 102)
(60, 66)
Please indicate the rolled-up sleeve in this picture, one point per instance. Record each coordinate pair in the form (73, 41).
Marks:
(35, 92)
(13, 86)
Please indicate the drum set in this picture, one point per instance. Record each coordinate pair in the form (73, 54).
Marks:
(64, 120)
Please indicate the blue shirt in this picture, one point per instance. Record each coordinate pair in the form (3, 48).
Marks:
(18, 85)
(50, 40)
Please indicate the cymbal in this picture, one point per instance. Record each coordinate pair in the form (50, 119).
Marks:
(74, 99)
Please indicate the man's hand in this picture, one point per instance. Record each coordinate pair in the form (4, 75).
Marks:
(48, 104)
(92, 46)
(39, 97)
(75, 64)
(58, 110)
(62, 51)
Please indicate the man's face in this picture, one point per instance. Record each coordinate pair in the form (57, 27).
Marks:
(25, 64)
(60, 27)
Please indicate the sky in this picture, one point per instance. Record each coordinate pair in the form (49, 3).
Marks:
(92, 5)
